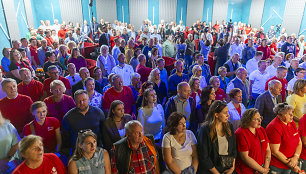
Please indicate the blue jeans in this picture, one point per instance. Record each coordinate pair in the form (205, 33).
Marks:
(275, 170)
(188, 60)
(252, 102)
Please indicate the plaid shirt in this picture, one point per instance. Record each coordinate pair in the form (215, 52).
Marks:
(141, 161)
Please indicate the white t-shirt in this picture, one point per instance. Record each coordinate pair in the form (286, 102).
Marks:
(251, 65)
(259, 81)
(182, 155)
(272, 71)
(291, 84)
(126, 73)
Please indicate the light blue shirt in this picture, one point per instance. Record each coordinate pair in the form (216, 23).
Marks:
(8, 138)
(164, 76)
(5, 62)
(115, 52)
(93, 165)
(41, 53)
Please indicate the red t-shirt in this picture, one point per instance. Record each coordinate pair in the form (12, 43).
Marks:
(248, 30)
(17, 110)
(49, 80)
(126, 96)
(46, 131)
(286, 135)
(144, 72)
(284, 86)
(59, 109)
(33, 51)
(220, 94)
(62, 33)
(256, 145)
(34, 89)
(302, 132)
(50, 41)
(274, 46)
(266, 52)
(51, 164)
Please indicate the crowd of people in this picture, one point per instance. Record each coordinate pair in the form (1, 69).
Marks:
(232, 101)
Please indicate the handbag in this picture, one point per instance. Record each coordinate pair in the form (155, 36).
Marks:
(226, 161)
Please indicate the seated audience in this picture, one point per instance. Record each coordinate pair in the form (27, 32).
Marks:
(222, 71)
(51, 60)
(197, 72)
(144, 86)
(216, 140)
(179, 146)
(83, 116)
(280, 76)
(208, 96)
(95, 98)
(113, 126)
(299, 74)
(8, 142)
(142, 69)
(17, 64)
(294, 64)
(159, 86)
(124, 70)
(63, 56)
(297, 99)
(241, 82)
(146, 155)
(84, 73)
(73, 76)
(48, 128)
(232, 65)
(119, 92)
(183, 104)
(20, 116)
(177, 78)
(235, 107)
(215, 83)
(135, 85)
(195, 93)
(151, 115)
(78, 60)
(29, 86)
(285, 142)
(205, 67)
(97, 75)
(58, 103)
(105, 61)
(254, 152)
(54, 75)
(35, 160)
(87, 157)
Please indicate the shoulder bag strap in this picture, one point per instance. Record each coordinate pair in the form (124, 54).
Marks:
(32, 127)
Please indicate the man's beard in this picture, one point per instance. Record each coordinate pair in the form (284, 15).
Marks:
(82, 110)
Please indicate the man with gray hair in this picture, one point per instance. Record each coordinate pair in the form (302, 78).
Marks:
(41, 52)
(141, 150)
(82, 117)
(241, 82)
(183, 104)
(119, 92)
(267, 100)
(15, 107)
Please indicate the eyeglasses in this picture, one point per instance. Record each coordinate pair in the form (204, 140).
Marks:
(84, 130)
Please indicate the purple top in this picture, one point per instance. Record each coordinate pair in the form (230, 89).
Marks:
(78, 62)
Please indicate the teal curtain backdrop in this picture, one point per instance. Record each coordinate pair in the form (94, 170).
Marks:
(5, 42)
(123, 11)
(238, 10)
(207, 10)
(181, 11)
(87, 11)
(46, 10)
(21, 17)
(153, 5)
(273, 13)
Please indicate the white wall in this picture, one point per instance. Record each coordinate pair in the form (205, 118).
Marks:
(138, 12)
(71, 10)
(11, 19)
(219, 11)
(256, 12)
(167, 10)
(194, 11)
(293, 15)
(107, 10)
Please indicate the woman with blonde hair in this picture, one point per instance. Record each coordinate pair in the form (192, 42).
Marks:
(301, 44)
(62, 56)
(158, 85)
(87, 157)
(197, 72)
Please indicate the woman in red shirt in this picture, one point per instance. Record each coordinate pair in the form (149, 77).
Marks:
(273, 48)
(253, 145)
(46, 127)
(265, 49)
(302, 132)
(285, 142)
(36, 162)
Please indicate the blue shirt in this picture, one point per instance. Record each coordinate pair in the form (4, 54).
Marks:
(116, 51)
(205, 71)
(164, 76)
(174, 80)
(205, 50)
(41, 53)
(247, 54)
(8, 138)
(93, 165)
(5, 62)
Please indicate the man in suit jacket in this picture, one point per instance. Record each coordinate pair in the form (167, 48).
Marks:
(104, 37)
(267, 100)
(84, 73)
(294, 64)
(86, 30)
